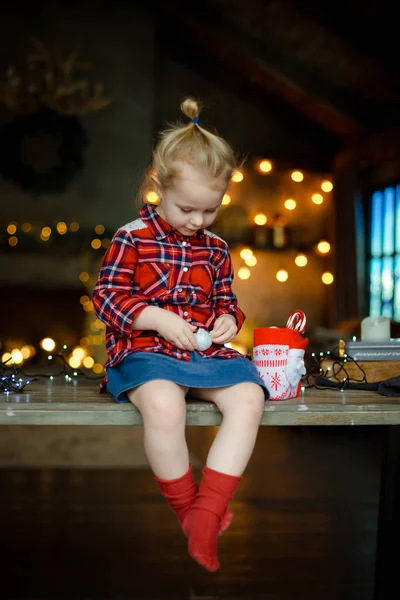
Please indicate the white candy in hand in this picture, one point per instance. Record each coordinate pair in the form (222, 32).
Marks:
(203, 338)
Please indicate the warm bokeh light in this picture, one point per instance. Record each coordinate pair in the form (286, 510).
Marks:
(260, 219)
(246, 253)
(74, 362)
(282, 275)
(88, 306)
(48, 344)
(88, 362)
(26, 227)
(297, 176)
(17, 356)
(84, 277)
(327, 186)
(11, 229)
(324, 247)
(96, 244)
(237, 177)
(99, 229)
(152, 197)
(74, 226)
(226, 200)
(244, 273)
(62, 228)
(251, 261)
(317, 198)
(290, 204)
(265, 166)
(97, 368)
(79, 352)
(13, 240)
(301, 260)
(327, 278)
(28, 351)
(6, 358)
(84, 299)
(46, 232)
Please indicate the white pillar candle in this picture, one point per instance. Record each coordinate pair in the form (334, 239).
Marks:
(375, 330)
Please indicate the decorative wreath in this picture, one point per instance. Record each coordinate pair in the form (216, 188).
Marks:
(42, 152)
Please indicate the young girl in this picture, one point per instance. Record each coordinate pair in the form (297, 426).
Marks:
(163, 278)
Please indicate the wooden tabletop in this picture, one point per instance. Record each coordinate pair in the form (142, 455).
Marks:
(78, 402)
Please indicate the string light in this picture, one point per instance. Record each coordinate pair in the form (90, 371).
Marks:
(251, 261)
(331, 371)
(96, 243)
(48, 344)
(327, 278)
(324, 247)
(265, 166)
(326, 186)
(301, 260)
(84, 276)
(244, 273)
(152, 197)
(282, 275)
(317, 198)
(260, 219)
(297, 176)
(246, 253)
(237, 177)
(290, 204)
(226, 200)
(17, 356)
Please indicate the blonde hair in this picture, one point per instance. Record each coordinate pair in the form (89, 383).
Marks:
(192, 144)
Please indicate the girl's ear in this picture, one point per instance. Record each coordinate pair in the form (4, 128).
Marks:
(156, 184)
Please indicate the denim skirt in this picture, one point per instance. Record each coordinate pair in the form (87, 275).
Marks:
(200, 372)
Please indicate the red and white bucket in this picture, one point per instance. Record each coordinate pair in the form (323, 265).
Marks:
(278, 354)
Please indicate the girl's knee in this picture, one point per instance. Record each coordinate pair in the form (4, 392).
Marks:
(163, 405)
(251, 401)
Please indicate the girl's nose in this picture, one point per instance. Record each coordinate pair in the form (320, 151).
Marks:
(197, 220)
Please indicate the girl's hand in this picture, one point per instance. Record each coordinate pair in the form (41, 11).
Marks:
(176, 330)
(225, 329)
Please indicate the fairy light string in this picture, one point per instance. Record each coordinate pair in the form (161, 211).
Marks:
(336, 372)
(14, 379)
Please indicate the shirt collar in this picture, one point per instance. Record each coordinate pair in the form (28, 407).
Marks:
(160, 228)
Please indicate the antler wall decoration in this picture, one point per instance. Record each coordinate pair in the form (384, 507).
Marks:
(51, 83)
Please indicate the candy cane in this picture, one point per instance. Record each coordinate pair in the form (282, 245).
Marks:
(297, 321)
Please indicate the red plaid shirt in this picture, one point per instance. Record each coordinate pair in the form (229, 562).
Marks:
(148, 263)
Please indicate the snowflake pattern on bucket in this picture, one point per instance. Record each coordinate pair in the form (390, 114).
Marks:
(279, 357)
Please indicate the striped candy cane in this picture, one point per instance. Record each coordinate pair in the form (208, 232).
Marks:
(297, 321)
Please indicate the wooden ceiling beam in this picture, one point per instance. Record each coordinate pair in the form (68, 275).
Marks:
(263, 67)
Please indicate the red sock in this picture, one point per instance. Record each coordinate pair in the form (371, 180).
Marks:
(216, 490)
(181, 493)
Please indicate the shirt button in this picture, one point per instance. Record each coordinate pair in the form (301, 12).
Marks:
(185, 314)
(184, 243)
(184, 354)
(180, 290)
(185, 269)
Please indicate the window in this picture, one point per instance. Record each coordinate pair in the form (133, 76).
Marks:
(384, 253)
